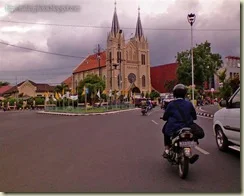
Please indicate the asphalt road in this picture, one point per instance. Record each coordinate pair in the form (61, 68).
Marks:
(110, 153)
(210, 109)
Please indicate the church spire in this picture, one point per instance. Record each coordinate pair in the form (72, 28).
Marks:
(115, 23)
(139, 31)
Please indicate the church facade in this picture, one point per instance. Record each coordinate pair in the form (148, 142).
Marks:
(125, 66)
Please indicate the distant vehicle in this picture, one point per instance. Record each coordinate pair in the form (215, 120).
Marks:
(168, 98)
(139, 101)
(226, 123)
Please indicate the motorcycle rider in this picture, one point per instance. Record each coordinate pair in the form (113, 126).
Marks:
(149, 104)
(173, 117)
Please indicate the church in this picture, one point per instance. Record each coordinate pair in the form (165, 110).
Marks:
(125, 66)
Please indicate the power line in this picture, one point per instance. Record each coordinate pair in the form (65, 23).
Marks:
(51, 70)
(45, 52)
(107, 27)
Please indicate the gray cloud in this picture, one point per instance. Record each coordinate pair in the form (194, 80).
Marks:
(81, 41)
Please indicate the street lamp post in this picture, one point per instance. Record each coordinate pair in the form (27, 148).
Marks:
(191, 19)
(98, 53)
(120, 60)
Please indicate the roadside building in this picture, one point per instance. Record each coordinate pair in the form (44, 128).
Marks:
(29, 88)
(232, 66)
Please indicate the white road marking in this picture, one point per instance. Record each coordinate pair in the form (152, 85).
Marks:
(201, 150)
(154, 122)
(202, 109)
(205, 117)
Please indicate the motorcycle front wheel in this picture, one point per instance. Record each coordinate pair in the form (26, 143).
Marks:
(183, 166)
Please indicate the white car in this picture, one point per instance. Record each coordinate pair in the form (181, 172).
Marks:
(226, 123)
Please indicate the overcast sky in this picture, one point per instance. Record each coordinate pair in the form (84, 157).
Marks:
(162, 20)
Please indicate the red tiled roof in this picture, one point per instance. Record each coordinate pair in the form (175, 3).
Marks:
(11, 90)
(3, 89)
(162, 73)
(91, 62)
(68, 81)
(233, 57)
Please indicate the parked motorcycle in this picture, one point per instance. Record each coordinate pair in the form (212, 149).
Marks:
(180, 152)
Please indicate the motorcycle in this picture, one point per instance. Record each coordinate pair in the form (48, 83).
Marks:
(180, 152)
(144, 110)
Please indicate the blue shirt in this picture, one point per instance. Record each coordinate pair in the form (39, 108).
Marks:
(174, 118)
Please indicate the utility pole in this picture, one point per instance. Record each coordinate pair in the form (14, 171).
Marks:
(110, 60)
(98, 53)
(85, 98)
(16, 96)
(191, 19)
(119, 56)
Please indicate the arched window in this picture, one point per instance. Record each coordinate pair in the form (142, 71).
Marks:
(104, 78)
(143, 81)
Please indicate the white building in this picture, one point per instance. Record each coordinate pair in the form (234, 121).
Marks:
(232, 66)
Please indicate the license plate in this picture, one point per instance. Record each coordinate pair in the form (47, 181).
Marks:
(187, 144)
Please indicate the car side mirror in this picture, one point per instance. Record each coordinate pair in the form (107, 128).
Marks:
(223, 103)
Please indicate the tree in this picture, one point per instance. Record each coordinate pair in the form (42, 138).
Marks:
(3, 83)
(225, 90)
(205, 65)
(61, 88)
(93, 83)
(154, 94)
(235, 83)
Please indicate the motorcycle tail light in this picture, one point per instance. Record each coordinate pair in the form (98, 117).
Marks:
(186, 135)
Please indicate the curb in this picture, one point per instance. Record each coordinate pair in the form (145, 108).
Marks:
(91, 114)
(205, 114)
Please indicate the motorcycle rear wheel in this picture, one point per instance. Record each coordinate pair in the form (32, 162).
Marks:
(183, 167)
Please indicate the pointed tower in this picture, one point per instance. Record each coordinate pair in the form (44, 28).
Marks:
(115, 47)
(143, 57)
(139, 31)
(115, 23)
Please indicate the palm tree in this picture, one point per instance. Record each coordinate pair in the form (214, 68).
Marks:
(61, 88)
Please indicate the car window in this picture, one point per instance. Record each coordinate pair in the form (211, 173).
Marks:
(235, 103)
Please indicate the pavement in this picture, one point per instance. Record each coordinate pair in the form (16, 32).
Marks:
(88, 114)
(106, 153)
